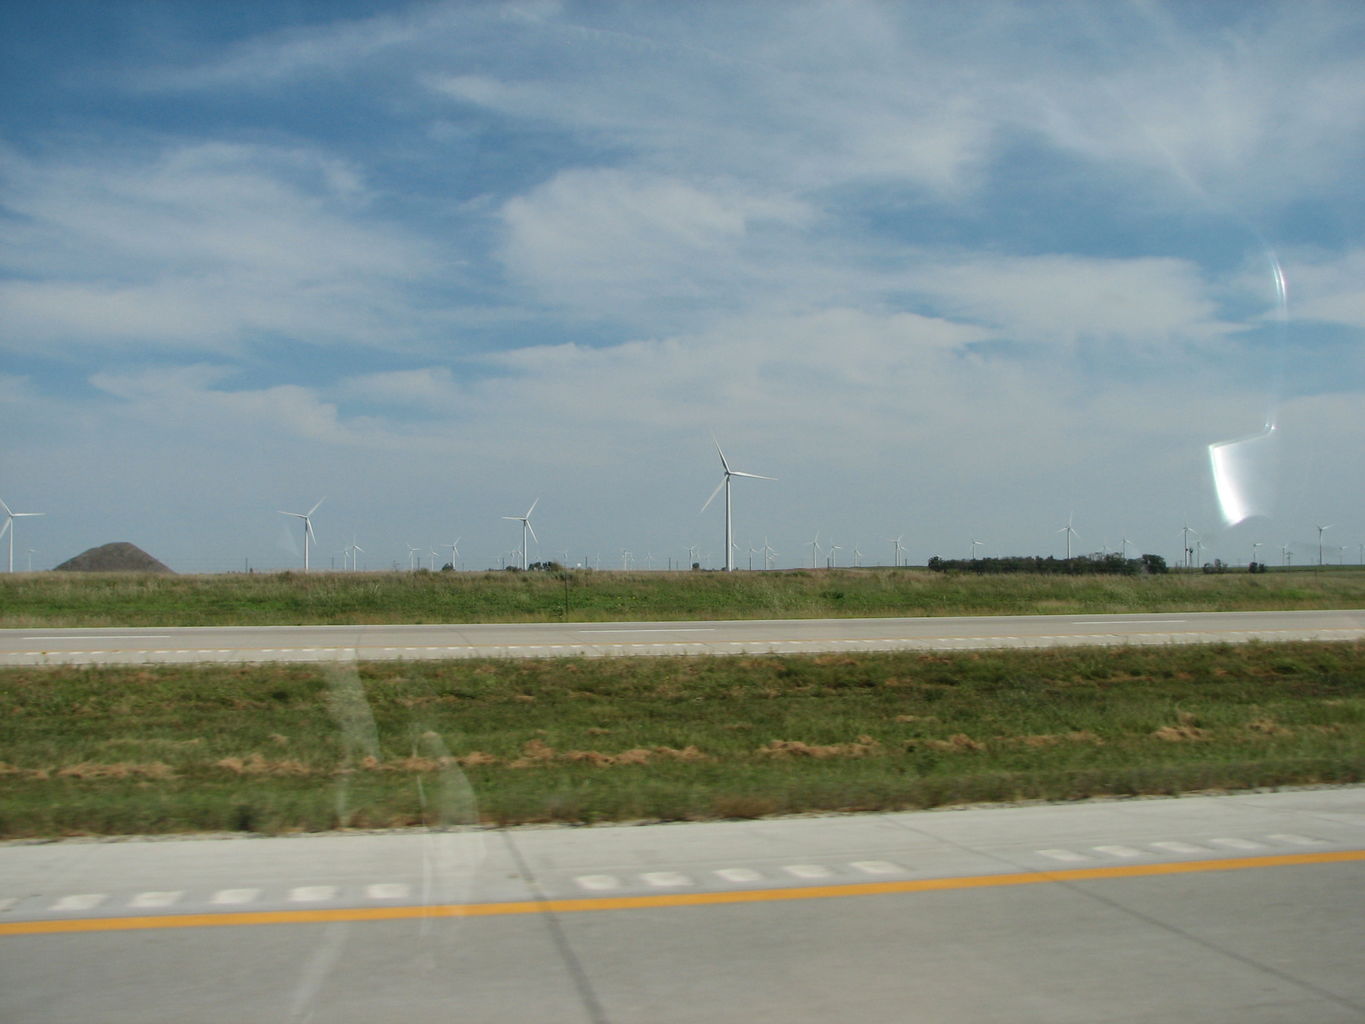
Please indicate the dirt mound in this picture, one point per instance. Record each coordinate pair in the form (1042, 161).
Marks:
(117, 557)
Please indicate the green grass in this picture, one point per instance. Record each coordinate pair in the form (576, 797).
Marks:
(277, 748)
(112, 599)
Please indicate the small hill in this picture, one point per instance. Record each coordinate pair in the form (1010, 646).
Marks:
(117, 557)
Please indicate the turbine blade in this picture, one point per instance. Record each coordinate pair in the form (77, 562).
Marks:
(723, 464)
(5, 528)
(751, 476)
(6, 508)
(532, 529)
(532, 508)
(713, 495)
(315, 507)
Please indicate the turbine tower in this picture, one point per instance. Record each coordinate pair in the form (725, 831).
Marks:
(725, 484)
(308, 534)
(525, 528)
(10, 517)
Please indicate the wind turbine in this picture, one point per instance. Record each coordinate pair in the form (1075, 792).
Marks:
(10, 517)
(455, 553)
(975, 544)
(356, 549)
(525, 528)
(857, 556)
(1188, 550)
(725, 483)
(1070, 532)
(308, 534)
(412, 558)
(815, 551)
(897, 549)
(768, 554)
(1321, 531)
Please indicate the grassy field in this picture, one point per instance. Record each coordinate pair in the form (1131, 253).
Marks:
(72, 599)
(297, 747)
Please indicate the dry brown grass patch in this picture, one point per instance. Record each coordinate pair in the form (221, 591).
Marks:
(116, 770)
(865, 746)
(256, 764)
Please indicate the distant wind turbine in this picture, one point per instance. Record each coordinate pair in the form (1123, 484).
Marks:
(768, 554)
(725, 484)
(1070, 532)
(308, 534)
(1320, 531)
(815, 551)
(525, 528)
(975, 544)
(455, 553)
(412, 558)
(10, 517)
(897, 549)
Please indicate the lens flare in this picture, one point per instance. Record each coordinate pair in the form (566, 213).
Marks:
(1246, 469)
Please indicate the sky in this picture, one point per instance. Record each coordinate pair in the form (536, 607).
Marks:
(951, 273)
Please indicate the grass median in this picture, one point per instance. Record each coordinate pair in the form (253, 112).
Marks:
(282, 748)
(260, 599)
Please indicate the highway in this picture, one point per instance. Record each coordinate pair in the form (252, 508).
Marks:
(1236, 908)
(606, 639)
(1225, 909)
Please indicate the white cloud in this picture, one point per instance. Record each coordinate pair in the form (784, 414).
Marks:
(1066, 300)
(199, 246)
(608, 238)
(1328, 289)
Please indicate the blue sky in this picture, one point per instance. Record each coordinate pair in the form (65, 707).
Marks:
(948, 272)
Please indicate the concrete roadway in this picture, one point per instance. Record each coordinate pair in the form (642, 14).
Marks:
(596, 639)
(1221, 909)
(1241, 909)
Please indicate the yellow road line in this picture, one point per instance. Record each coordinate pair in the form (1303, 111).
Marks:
(697, 899)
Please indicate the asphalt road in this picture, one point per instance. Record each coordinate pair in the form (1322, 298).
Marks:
(603, 639)
(1240, 909)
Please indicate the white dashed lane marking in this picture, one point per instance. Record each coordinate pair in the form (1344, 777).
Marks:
(234, 897)
(1119, 851)
(875, 867)
(666, 879)
(1295, 840)
(808, 870)
(1068, 856)
(1175, 846)
(152, 900)
(312, 893)
(739, 874)
(1235, 843)
(599, 883)
(80, 901)
(388, 891)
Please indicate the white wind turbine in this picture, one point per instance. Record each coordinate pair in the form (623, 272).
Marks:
(10, 517)
(308, 534)
(725, 484)
(815, 551)
(1320, 531)
(526, 528)
(897, 549)
(454, 552)
(356, 549)
(1070, 532)
(412, 558)
(768, 554)
(833, 561)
